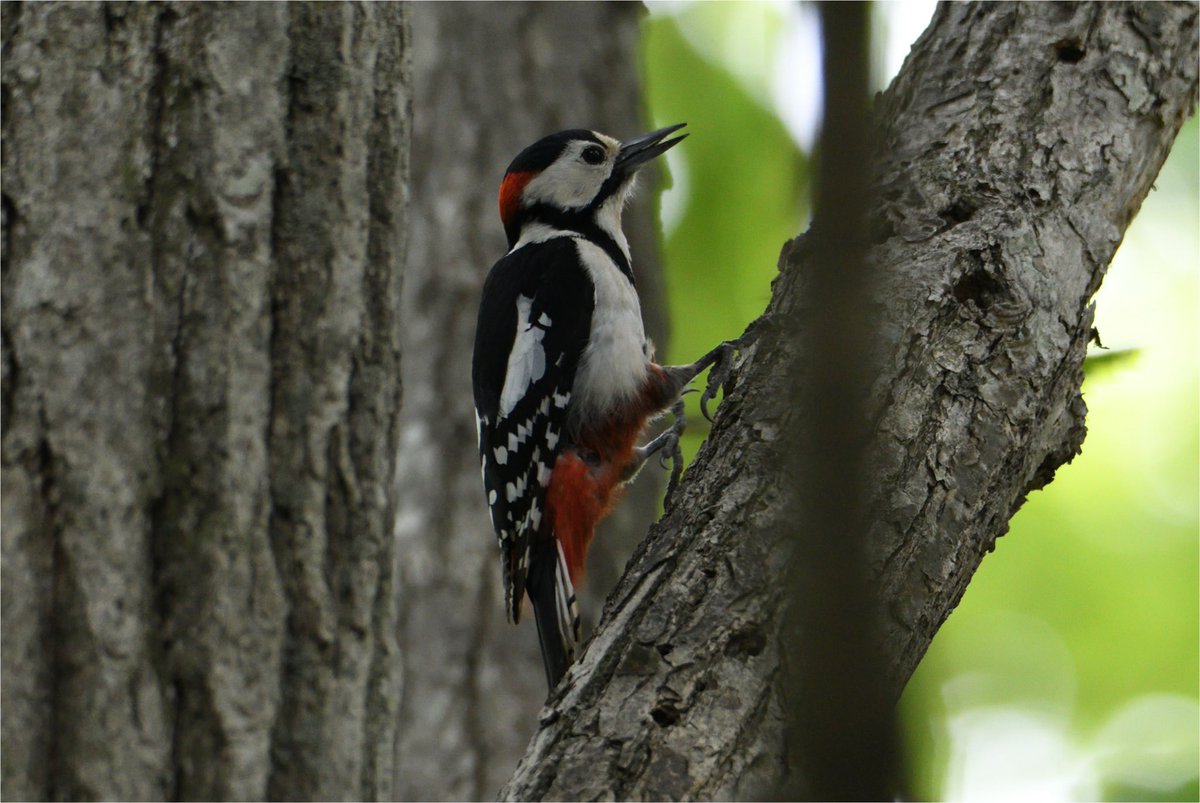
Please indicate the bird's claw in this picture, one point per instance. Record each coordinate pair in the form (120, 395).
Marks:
(672, 451)
(722, 361)
(718, 374)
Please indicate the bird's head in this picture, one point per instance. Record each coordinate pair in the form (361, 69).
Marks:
(576, 177)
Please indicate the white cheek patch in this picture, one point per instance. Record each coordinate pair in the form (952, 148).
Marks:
(566, 184)
(526, 361)
(570, 182)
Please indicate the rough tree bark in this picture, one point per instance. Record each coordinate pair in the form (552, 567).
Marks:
(1016, 145)
(204, 218)
(490, 79)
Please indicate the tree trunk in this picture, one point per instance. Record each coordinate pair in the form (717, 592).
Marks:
(203, 236)
(490, 79)
(1016, 145)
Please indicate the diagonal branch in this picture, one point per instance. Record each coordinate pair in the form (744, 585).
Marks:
(1015, 147)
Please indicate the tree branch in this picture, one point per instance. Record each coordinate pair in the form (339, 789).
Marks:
(1016, 145)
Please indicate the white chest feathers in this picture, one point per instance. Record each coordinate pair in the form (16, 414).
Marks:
(613, 368)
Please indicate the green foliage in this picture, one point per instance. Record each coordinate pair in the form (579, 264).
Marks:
(744, 177)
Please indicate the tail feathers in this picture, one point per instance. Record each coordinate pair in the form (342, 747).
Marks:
(555, 609)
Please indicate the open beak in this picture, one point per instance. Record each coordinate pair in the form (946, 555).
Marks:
(637, 151)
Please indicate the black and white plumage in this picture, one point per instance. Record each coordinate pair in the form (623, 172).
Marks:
(533, 328)
(562, 371)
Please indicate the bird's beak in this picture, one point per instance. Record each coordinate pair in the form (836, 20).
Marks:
(637, 151)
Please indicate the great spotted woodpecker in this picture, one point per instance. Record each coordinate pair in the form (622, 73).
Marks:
(563, 375)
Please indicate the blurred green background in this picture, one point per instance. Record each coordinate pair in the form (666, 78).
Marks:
(1070, 670)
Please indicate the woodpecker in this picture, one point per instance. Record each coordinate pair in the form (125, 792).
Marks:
(564, 378)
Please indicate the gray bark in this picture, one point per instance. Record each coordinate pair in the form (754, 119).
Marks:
(204, 218)
(490, 79)
(1016, 145)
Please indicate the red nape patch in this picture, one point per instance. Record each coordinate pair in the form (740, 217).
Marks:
(510, 194)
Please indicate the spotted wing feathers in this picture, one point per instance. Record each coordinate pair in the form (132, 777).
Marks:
(533, 326)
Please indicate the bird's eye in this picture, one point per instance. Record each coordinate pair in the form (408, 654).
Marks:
(593, 154)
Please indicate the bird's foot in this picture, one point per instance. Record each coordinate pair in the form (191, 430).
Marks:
(666, 446)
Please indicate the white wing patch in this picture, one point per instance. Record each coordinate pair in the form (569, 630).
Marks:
(526, 361)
